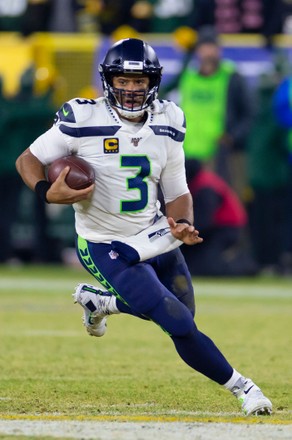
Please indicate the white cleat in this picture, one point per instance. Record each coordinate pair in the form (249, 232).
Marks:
(95, 304)
(252, 399)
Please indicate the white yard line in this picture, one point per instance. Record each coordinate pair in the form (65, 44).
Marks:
(204, 289)
(145, 431)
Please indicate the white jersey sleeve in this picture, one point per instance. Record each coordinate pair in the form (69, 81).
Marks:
(173, 178)
(50, 146)
(57, 141)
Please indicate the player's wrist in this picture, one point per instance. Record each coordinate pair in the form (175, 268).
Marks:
(41, 188)
(184, 220)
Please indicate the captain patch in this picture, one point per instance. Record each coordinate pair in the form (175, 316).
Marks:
(111, 146)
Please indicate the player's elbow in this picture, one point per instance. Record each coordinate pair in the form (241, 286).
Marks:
(18, 164)
(22, 161)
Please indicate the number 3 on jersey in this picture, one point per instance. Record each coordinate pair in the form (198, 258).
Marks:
(137, 182)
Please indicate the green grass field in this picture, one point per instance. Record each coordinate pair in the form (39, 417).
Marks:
(50, 367)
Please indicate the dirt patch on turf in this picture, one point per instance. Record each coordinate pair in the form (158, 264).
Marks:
(144, 431)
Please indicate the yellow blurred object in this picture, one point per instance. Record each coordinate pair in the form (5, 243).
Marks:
(89, 92)
(124, 31)
(16, 57)
(247, 195)
(63, 62)
(185, 37)
(45, 79)
(93, 7)
(142, 10)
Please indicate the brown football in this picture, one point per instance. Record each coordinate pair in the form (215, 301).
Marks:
(80, 176)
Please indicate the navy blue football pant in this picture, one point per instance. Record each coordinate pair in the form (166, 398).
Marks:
(159, 289)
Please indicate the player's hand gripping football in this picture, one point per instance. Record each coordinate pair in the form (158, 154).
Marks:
(61, 193)
(182, 231)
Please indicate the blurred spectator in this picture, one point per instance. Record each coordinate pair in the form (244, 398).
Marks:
(22, 118)
(282, 103)
(267, 17)
(278, 17)
(141, 13)
(10, 184)
(283, 112)
(239, 16)
(63, 16)
(217, 106)
(88, 16)
(222, 220)
(164, 15)
(36, 17)
(50, 16)
(114, 14)
(11, 13)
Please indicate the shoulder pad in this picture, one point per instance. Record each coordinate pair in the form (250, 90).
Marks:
(158, 106)
(174, 113)
(75, 111)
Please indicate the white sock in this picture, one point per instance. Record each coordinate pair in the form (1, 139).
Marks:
(232, 381)
(112, 305)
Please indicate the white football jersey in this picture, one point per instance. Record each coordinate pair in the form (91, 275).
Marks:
(129, 161)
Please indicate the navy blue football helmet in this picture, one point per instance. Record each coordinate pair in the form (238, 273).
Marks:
(130, 56)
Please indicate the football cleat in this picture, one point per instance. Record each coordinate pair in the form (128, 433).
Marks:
(96, 305)
(252, 399)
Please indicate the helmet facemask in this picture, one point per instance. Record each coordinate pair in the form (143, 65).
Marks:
(130, 104)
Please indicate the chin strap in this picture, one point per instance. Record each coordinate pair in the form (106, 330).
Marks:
(132, 114)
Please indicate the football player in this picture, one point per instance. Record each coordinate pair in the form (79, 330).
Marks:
(134, 142)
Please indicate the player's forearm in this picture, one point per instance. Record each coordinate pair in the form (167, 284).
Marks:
(30, 169)
(181, 208)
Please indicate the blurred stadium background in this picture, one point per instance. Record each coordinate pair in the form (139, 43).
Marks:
(65, 65)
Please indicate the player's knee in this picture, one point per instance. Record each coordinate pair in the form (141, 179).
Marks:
(183, 293)
(172, 316)
(136, 289)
